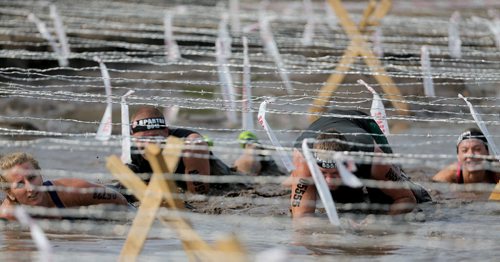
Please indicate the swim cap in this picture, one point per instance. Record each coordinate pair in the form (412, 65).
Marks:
(246, 137)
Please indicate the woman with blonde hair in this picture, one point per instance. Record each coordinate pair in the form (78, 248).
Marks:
(23, 184)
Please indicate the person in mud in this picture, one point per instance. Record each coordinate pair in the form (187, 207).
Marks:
(471, 166)
(149, 126)
(253, 162)
(23, 184)
(356, 133)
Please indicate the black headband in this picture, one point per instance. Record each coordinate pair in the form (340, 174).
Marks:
(472, 134)
(153, 123)
(325, 163)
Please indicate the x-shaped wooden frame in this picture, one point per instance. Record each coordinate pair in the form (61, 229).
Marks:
(160, 193)
(358, 47)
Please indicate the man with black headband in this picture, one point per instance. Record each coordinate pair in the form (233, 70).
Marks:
(352, 131)
(472, 147)
(149, 126)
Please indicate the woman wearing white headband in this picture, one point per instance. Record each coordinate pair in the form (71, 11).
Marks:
(471, 167)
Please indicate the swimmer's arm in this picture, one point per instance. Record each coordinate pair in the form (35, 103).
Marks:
(303, 196)
(447, 174)
(197, 164)
(97, 194)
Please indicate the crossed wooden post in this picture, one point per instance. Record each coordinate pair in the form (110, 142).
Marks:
(358, 47)
(495, 195)
(160, 193)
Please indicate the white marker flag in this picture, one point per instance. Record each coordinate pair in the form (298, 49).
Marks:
(425, 63)
(105, 128)
(454, 42)
(308, 34)
(321, 185)
(331, 18)
(45, 34)
(61, 34)
(272, 50)
(41, 241)
(234, 12)
(348, 178)
(126, 158)
(171, 47)
(482, 126)
(377, 110)
(377, 42)
(226, 82)
(224, 37)
(283, 155)
(247, 89)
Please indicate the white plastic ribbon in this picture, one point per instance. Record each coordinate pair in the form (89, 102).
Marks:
(224, 37)
(377, 42)
(41, 241)
(480, 123)
(425, 63)
(226, 82)
(377, 110)
(234, 12)
(308, 34)
(171, 113)
(283, 155)
(171, 47)
(126, 158)
(105, 127)
(247, 90)
(331, 18)
(42, 28)
(272, 50)
(321, 185)
(348, 178)
(454, 42)
(61, 35)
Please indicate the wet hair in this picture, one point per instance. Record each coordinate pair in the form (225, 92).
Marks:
(13, 159)
(472, 133)
(331, 140)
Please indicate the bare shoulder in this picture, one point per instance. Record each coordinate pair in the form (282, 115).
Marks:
(446, 174)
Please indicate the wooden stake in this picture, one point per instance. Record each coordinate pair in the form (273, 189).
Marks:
(358, 47)
(495, 195)
(151, 198)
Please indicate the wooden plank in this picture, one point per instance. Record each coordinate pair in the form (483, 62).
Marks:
(146, 214)
(495, 195)
(151, 199)
(126, 176)
(157, 163)
(390, 89)
(358, 47)
(230, 249)
(325, 93)
(173, 152)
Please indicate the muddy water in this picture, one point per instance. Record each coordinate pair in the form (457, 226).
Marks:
(458, 225)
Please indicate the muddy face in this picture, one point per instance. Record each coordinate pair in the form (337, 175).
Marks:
(25, 182)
